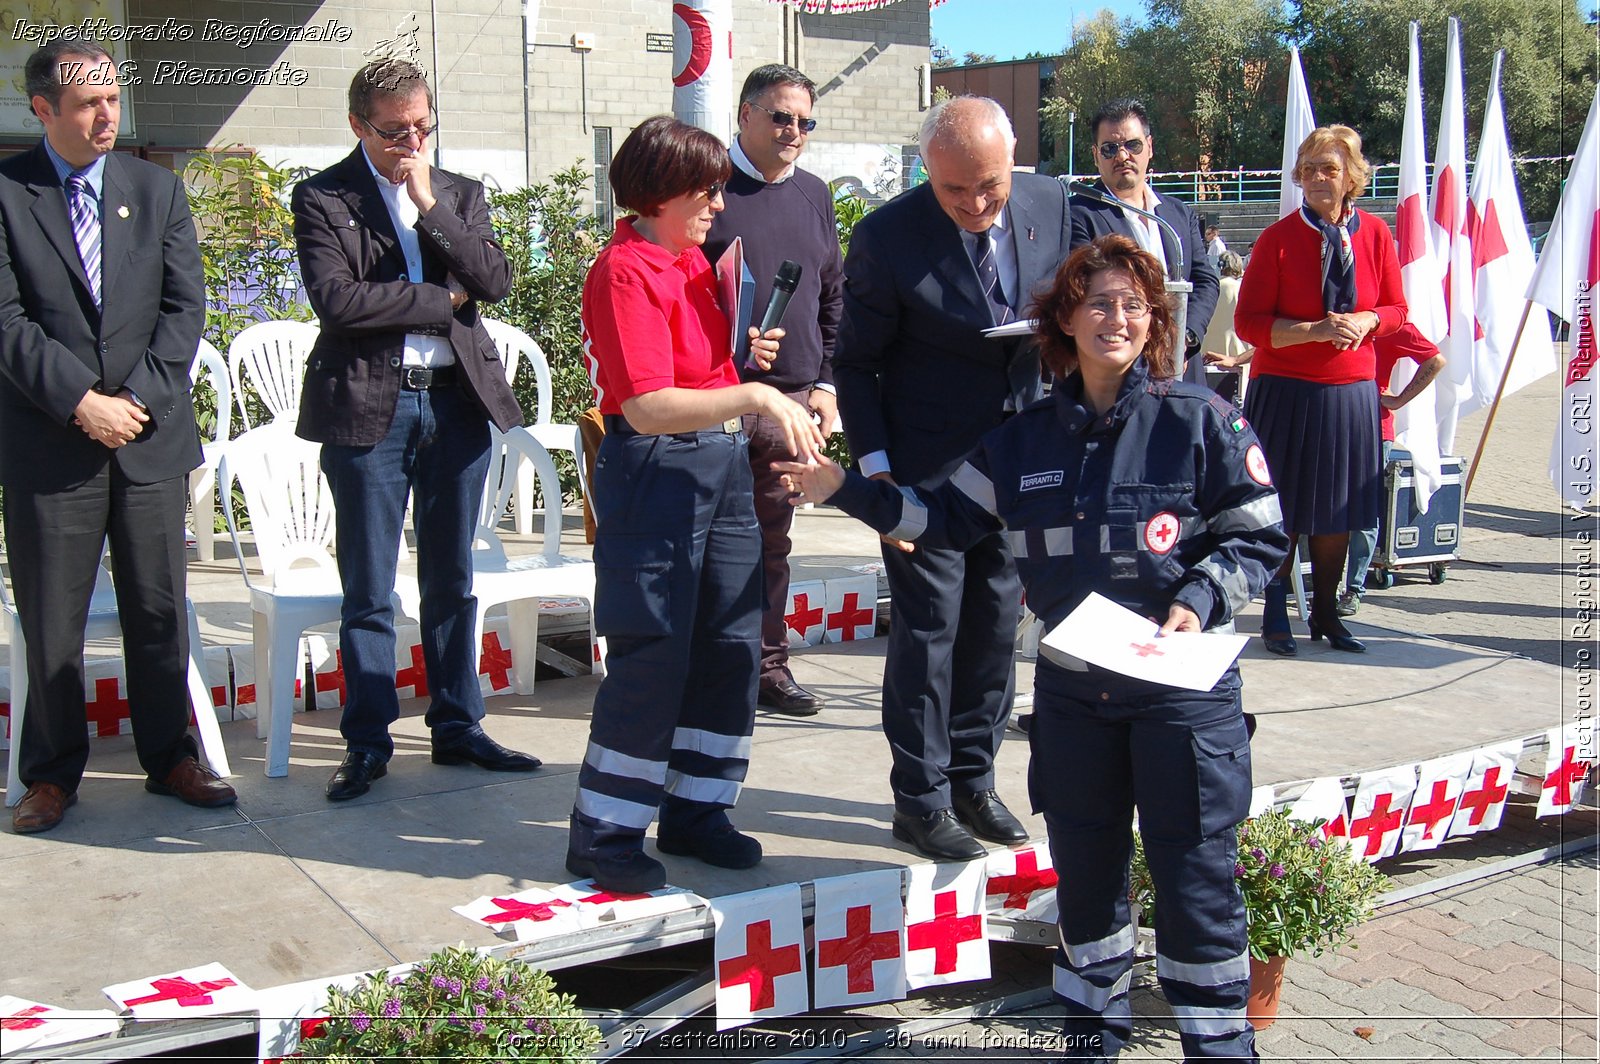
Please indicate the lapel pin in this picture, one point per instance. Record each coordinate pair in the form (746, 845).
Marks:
(1030, 232)
(122, 211)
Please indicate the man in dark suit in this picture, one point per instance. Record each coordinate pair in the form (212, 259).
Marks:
(399, 390)
(101, 307)
(918, 385)
(1123, 148)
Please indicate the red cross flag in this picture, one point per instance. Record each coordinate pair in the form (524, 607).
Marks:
(105, 703)
(852, 609)
(495, 676)
(328, 687)
(1324, 801)
(1484, 792)
(593, 905)
(244, 682)
(1378, 812)
(1567, 767)
(805, 617)
(28, 1024)
(294, 1010)
(861, 939)
(1022, 884)
(209, 990)
(410, 674)
(947, 935)
(760, 954)
(1439, 786)
(215, 663)
(528, 914)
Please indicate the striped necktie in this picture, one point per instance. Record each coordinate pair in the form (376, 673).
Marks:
(982, 250)
(85, 229)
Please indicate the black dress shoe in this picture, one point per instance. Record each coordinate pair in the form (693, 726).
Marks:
(938, 835)
(476, 748)
(628, 872)
(988, 817)
(354, 776)
(788, 697)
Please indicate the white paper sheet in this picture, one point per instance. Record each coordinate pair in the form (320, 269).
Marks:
(1105, 634)
(1020, 327)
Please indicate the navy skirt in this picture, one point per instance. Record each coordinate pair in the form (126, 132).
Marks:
(1322, 446)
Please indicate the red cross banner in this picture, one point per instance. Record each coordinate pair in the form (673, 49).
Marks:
(243, 660)
(1568, 765)
(28, 1024)
(1378, 812)
(593, 905)
(947, 934)
(1484, 791)
(1440, 783)
(327, 672)
(209, 990)
(861, 939)
(760, 952)
(287, 1011)
(410, 674)
(852, 609)
(1022, 884)
(495, 675)
(805, 617)
(105, 702)
(526, 914)
(214, 663)
(1324, 800)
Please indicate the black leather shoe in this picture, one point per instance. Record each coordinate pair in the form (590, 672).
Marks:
(790, 698)
(1338, 635)
(988, 817)
(354, 776)
(629, 872)
(724, 846)
(476, 748)
(938, 835)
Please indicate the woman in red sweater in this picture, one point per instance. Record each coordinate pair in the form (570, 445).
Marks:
(1321, 285)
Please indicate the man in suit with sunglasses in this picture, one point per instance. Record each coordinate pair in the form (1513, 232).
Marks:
(399, 390)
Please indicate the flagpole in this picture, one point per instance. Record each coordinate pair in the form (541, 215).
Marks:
(1505, 375)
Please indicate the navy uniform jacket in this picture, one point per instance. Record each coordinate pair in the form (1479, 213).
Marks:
(1166, 498)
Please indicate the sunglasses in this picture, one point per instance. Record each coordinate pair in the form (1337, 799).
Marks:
(1110, 149)
(784, 118)
(714, 189)
(397, 136)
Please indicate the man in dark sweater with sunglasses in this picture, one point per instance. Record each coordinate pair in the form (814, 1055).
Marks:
(782, 212)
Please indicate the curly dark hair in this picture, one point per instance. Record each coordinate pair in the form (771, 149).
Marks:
(1071, 287)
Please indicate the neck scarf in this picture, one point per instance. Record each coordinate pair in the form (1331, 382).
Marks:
(1338, 259)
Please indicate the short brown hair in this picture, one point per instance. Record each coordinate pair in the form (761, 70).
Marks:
(1057, 350)
(663, 159)
(397, 79)
(1346, 143)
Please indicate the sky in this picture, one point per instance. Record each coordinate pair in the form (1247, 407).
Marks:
(1011, 28)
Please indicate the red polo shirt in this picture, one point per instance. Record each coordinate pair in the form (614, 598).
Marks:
(651, 320)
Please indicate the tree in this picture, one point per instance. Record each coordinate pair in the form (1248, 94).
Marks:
(974, 58)
(1098, 66)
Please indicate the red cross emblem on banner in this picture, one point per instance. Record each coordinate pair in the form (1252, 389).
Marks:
(1485, 798)
(761, 965)
(803, 616)
(495, 662)
(1569, 774)
(185, 993)
(1375, 825)
(106, 709)
(1435, 811)
(1161, 533)
(416, 675)
(944, 933)
(333, 681)
(26, 1020)
(512, 910)
(859, 947)
(601, 897)
(850, 616)
(1020, 887)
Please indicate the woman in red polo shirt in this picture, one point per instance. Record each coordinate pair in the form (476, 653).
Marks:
(1322, 283)
(677, 550)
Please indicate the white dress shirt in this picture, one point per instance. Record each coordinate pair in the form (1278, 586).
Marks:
(420, 351)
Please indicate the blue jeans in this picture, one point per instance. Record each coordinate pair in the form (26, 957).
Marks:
(437, 449)
(1364, 543)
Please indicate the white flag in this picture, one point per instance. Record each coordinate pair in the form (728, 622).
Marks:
(947, 936)
(1324, 801)
(861, 939)
(1567, 281)
(1438, 792)
(1566, 771)
(1022, 884)
(28, 1024)
(1448, 224)
(1378, 811)
(209, 990)
(1483, 797)
(1502, 258)
(1298, 122)
(760, 950)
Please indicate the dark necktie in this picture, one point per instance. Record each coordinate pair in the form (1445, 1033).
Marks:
(85, 229)
(981, 246)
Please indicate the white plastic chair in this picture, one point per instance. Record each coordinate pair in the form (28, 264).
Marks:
(521, 582)
(270, 358)
(203, 481)
(104, 623)
(516, 347)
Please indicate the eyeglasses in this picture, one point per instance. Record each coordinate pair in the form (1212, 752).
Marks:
(1131, 308)
(714, 189)
(1327, 172)
(784, 118)
(1110, 148)
(399, 136)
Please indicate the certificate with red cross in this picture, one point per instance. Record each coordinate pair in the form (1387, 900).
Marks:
(1108, 635)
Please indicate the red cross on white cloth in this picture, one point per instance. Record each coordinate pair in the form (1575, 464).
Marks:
(529, 914)
(1378, 811)
(1439, 786)
(1486, 788)
(295, 1011)
(1566, 770)
(28, 1024)
(852, 608)
(804, 619)
(209, 990)
(947, 935)
(760, 955)
(494, 663)
(860, 934)
(1324, 801)
(1021, 883)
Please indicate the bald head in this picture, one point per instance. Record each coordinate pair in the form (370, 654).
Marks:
(967, 147)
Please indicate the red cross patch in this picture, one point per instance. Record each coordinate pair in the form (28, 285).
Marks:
(1161, 533)
(1255, 463)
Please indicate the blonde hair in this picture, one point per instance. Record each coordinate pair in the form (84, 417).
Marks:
(1346, 143)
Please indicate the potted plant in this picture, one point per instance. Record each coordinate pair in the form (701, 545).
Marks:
(459, 1004)
(1301, 893)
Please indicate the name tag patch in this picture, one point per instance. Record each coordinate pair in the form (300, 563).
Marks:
(1035, 481)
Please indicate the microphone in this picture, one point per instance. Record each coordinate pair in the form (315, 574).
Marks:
(783, 286)
(1087, 191)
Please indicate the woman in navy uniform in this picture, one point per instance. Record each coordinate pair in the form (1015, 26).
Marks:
(1156, 495)
(677, 549)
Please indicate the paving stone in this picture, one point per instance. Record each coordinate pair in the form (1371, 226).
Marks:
(1450, 989)
(1530, 1039)
(1502, 955)
(1429, 919)
(1580, 1043)
(1434, 961)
